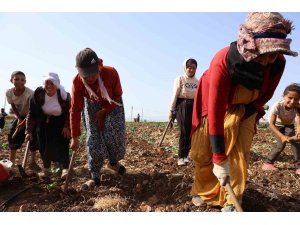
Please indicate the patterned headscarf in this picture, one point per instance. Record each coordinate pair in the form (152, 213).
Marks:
(264, 32)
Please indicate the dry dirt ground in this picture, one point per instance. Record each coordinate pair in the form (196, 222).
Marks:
(153, 181)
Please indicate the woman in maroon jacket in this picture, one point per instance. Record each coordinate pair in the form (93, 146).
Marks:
(229, 100)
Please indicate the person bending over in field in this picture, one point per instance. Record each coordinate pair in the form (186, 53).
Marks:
(97, 91)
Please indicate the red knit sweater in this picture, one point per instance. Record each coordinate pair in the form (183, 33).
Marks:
(113, 86)
(214, 94)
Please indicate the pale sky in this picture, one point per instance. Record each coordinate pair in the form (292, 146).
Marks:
(147, 49)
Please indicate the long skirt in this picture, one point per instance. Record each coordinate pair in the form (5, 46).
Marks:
(107, 143)
(53, 146)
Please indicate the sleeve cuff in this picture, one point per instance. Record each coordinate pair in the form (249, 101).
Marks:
(217, 143)
(218, 157)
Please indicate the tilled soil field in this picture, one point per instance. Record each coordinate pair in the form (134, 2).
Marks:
(153, 181)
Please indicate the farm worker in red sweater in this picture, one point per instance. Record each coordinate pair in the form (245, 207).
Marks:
(229, 100)
(97, 92)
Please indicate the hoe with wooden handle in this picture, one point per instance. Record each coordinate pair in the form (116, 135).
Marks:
(164, 134)
(233, 197)
(26, 154)
(21, 168)
(65, 187)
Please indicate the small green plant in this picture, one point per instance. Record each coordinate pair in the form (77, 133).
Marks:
(4, 146)
(172, 148)
(147, 137)
(52, 185)
(55, 170)
(82, 137)
(131, 129)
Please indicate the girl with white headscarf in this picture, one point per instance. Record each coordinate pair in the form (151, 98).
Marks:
(184, 90)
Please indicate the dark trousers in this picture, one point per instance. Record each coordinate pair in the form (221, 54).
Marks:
(16, 142)
(2, 122)
(184, 110)
(288, 130)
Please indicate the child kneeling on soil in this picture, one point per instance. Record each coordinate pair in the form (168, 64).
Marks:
(282, 120)
(49, 113)
(97, 90)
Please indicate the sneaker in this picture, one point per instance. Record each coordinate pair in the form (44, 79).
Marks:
(186, 160)
(45, 173)
(268, 167)
(298, 171)
(34, 167)
(64, 174)
(228, 208)
(180, 162)
(197, 201)
(119, 168)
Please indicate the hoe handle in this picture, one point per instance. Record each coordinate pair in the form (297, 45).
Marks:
(69, 171)
(162, 139)
(26, 155)
(233, 197)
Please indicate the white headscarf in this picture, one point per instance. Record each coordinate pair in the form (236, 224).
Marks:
(55, 79)
(185, 68)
